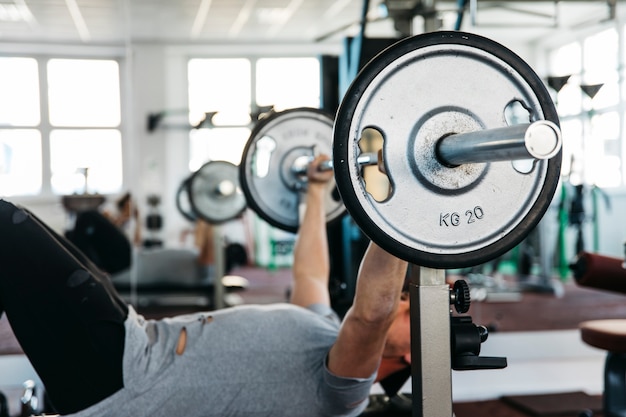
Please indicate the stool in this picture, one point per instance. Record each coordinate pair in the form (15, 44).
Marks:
(610, 335)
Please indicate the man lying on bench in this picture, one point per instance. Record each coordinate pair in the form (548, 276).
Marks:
(97, 357)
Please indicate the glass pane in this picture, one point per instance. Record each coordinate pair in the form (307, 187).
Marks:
(602, 166)
(601, 69)
(606, 96)
(220, 85)
(19, 92)
(98, 153)
(224, 144)
(288, 82)
(84, 92)
(566, 60)
(20, 162)
(600, 53)
(573, 151)
(569, 101)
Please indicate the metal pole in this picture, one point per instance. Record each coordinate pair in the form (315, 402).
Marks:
(220, 261)
(301, 164)
(431, 362)
(538, 140)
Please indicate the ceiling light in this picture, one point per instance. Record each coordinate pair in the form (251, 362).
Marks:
(15, 13)
(272, 16)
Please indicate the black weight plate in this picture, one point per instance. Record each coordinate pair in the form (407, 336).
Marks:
(428, 86)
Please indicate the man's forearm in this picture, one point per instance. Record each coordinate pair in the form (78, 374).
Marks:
(310, 254)
(380, 282)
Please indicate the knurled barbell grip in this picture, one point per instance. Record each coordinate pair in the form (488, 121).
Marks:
(369, 158)
(537, 140)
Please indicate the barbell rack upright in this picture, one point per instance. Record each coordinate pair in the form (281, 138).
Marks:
(431, 369)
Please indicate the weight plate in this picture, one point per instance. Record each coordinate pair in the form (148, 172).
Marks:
(277, 144)
(214, 192)
(415, 92)
(182, 201)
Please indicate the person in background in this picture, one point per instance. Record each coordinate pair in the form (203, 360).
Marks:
(126, 217)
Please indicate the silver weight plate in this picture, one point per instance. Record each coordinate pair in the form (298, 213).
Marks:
(215, 194)
(415, 92)
(277, 151)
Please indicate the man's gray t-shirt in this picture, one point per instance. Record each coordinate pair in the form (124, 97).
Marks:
(265, 360)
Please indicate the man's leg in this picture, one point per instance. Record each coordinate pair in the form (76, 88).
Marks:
(66, 320)
(104, 277)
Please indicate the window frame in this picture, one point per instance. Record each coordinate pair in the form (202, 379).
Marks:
(45, 128)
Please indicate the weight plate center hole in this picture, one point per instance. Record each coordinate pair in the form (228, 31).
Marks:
(438, 156)
(429, 165)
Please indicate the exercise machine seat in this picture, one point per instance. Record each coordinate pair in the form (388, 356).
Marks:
(606, 273)
(610, 335)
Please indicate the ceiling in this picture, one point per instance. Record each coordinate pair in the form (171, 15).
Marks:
(281, 21)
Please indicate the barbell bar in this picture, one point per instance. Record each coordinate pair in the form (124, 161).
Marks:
(301, 165)
(538, 140)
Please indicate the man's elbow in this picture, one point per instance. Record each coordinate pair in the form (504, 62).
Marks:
(372, 319)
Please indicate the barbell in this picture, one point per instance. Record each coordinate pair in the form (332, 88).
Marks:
(272, 170)
(213, 193)
(470, 146)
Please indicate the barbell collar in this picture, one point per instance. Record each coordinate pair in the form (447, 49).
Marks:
(538, 140)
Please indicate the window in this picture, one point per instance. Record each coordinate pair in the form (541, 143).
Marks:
(233, 88)
(567, 61)
(20, 145)
(221, 87)
(288, 82)
(59, 126)
(602, 161)
(589, 106)
(20, 162)
(86, 160)
(84, 94)
(19, 84)
(600, 67)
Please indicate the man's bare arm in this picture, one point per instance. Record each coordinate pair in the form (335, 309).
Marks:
(361, 340)
(311, 267)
